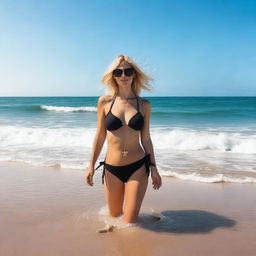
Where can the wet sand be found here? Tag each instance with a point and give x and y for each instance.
(51, 211)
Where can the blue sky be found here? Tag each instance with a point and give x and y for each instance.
(190, 48)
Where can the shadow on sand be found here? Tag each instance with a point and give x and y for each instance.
(185, 221)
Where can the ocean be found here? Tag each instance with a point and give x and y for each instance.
(204, 139)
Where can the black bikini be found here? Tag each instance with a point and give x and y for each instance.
(114, 123)
(124, 172)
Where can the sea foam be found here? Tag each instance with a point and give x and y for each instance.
(208, 156)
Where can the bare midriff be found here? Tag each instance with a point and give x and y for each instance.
(123, 139)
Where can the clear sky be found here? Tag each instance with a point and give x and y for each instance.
(190, 48)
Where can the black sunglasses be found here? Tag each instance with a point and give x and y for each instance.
(127, 72)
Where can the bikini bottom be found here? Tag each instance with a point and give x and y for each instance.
(124, 172)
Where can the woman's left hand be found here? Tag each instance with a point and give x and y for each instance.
(156, 178)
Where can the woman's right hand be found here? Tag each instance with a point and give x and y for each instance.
(89, 175)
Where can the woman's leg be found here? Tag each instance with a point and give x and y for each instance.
(135, 189)
(114, 193)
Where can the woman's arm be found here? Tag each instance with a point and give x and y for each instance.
(100, 133)
(148, 147)
(145, 135)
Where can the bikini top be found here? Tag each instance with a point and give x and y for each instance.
(113, 123)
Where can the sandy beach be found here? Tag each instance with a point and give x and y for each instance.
(51, 211)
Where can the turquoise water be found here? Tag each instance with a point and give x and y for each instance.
(208, 139)
(196, 112)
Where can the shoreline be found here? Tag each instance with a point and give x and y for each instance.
(51, 211)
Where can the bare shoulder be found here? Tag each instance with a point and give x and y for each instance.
(145, 104)
(104, 99)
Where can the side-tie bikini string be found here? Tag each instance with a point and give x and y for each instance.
(103, 173)
(148, 163)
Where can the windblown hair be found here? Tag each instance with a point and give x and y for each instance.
(140, 81)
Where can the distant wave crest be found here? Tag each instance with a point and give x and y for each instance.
(68, 109)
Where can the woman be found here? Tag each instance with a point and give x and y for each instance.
(123, 118)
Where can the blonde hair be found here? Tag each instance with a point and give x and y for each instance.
(140, 81)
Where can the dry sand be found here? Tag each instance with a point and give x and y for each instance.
(51, 211)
